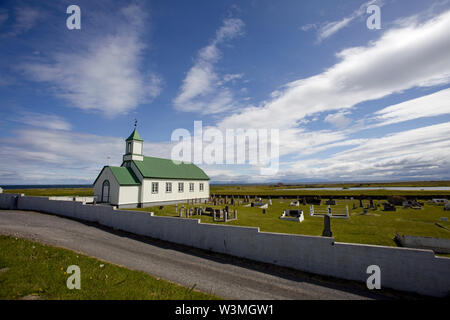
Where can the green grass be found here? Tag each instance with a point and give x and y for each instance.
(34, 269)
(82, 192)
(268, 190)
(377, 227)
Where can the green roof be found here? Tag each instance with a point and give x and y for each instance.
(152, 167)
(134, 136)
(125, 176)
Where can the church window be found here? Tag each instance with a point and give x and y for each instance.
(154, 187)
(191, 187)
(180, 186)
(168, 186)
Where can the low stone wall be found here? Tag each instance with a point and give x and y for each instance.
(438, 245)
(412, 270)
(74, 198)
(9, 200)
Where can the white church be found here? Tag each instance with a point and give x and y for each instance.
(147, 181)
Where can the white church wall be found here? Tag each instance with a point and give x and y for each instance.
(413, 270)
(113, 187)
(175, 195)
(129, 195)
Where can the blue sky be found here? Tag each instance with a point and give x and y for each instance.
(350, 103)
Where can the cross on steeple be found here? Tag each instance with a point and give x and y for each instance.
(135, 122)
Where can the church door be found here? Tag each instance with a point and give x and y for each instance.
(105, 191)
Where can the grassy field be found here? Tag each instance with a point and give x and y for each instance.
(273, 190)
(35, 271)
(376, 227)
(269, 190)
(82, 192)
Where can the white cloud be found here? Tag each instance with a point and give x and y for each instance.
(48, 121)
(434, 104)
(339, 119)
(41, 156)
(203, 89)
(105, 75)
(417, 153)
(370, 72)
(232, 77)
(330, 28)
(379, 69)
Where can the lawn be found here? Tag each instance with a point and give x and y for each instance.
(33, 270)
(82, 192)
(376, 227)
(275, 191)
(271, 190)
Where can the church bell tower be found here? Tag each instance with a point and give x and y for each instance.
(133, 149)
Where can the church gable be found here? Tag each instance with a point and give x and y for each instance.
(123, 176)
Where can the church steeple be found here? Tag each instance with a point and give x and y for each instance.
(134, 144)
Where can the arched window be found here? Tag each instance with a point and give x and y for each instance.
(105, 191)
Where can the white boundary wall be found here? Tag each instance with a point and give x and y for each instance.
(412, 270)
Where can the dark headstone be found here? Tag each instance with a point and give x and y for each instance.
(327, 226)
(293, 213)
(389, 207)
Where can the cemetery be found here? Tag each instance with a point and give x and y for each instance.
(353, 220)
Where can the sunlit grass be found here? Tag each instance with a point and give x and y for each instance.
(30, 269)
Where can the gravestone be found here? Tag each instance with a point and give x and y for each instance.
(304, 201)
(327, 226)
(360, 203)
(293, 213)
(264, 211)
(209, 211)
(354, 206)
(389, 207)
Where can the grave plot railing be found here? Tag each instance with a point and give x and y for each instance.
(339, 213)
